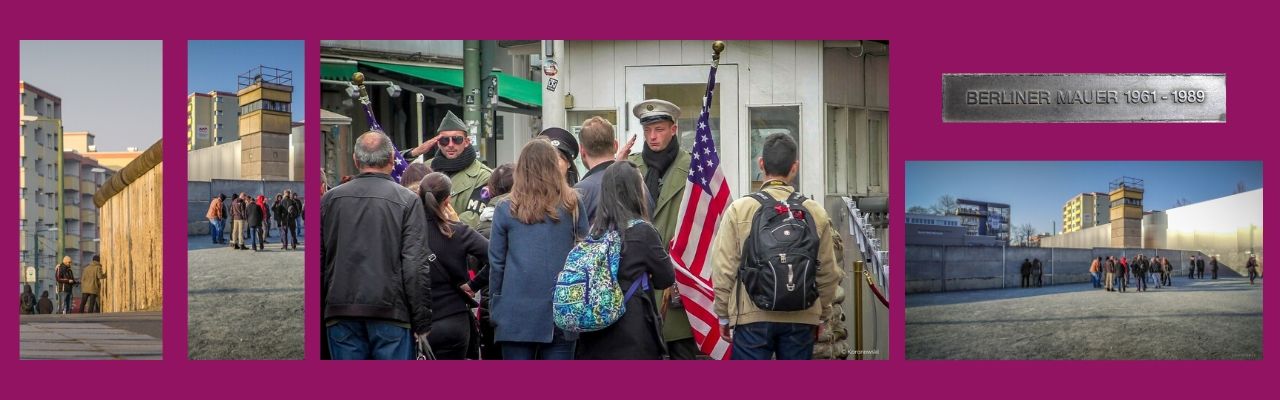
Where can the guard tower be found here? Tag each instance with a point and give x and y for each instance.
(1126, 212)
(265, 94)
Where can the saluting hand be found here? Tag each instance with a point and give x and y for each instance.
(425, 147)
(625, 150)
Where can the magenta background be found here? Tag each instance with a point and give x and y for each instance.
(926, 41)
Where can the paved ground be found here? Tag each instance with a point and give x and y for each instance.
(113, 336)
(244, 305)
(1195, 319)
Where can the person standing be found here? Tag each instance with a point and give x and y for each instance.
(66, 279)
(1110, 268)
(1168, 271)
(783, 324)
(568, 146)
(1200, 268)
(214, 215)
(1213, 265)
(375, 280)
(1037, 272)
(598, 149)
(1191, 268)
(27, 300)
(239, 213)
(456, 157)
(1252, 266)
(665, 167)
(291, 209)
(253, 221)
(1094, 269)
(644, 265)
(92, 278)
(1140, 273)
(1025, 271)
(453, 333)
(532, 233)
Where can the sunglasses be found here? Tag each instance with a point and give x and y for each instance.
(444, 140)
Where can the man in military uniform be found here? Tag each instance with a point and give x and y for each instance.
(456, 157)
(665, 167)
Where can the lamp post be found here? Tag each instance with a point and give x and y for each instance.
(36, 250)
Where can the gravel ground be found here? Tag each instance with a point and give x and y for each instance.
(1194, 320)
(244, 305)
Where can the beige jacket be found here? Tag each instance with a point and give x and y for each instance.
(726, 254)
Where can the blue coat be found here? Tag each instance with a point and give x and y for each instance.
(524, 260)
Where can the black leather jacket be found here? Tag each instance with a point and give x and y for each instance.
(374, 253)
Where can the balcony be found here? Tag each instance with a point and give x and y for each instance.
(88, 216)
(88, 187)
(72, 242)
(71, 211)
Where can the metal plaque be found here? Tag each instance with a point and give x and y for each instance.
(1084, 98)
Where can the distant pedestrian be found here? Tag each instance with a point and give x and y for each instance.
(1213, 264)
(44, 306)
(1025, 271)
(1095, 269)
(214, 215)
(92, 278)
(1200, 268)
(27, 300)
(1037, 272)
(66, 284)
(1191, 268)
(253, 222)
(239, 213)
(1252, 266)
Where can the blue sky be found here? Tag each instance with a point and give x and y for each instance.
(215, 64)
(109, 88)
(1036, 191)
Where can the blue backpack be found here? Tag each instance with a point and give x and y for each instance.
(587, 296)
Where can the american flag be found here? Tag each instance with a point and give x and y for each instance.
(706, 194)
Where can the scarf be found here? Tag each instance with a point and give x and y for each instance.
(440, 163)
(262, 207)
(658, 163)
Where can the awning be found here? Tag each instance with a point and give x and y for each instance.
(510, 87)
(337, 71)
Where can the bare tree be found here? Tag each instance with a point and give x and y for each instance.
(946, 205)
(1240, 188)
(1022, 234)
(1181, 202)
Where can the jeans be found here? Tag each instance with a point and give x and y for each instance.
(65, 307)
(255, 236)
(215, 230)
(1097, 282)
(767, 340)
(558, 349)
(369, 340)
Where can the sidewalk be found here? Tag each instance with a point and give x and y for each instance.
(111, 336)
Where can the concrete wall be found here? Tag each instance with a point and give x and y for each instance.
(200, 193)
(950, 268)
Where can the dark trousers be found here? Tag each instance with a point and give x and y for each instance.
(89, 303)
(290, 231)
(1026, 280)
(451, 336)
(770, 340)
(1191, 273)
(1142, 281)
(1215, 273)
(369, 340)
(683, 349)
(1199, 273)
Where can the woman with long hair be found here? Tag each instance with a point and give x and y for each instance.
(452, 324)
(644, 266)
(532, 234)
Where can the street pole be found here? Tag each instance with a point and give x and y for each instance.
(553, 73)
(488, 101)
(471, 92)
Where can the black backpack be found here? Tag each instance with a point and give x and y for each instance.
(780, 257)
(290, 208)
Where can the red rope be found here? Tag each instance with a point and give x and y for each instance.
(877, 293)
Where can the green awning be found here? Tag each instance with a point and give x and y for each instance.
(510, 87)
(337, 71)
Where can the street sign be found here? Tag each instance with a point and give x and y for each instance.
(31, 275)
(1084, 98)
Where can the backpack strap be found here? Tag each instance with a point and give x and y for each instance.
(642, 283)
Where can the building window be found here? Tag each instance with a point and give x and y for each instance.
(765, 121)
